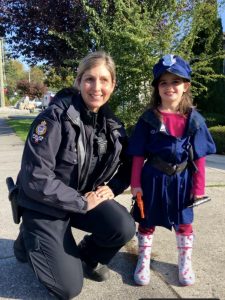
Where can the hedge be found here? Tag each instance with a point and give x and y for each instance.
(218, 134)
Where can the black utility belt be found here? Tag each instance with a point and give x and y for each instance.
(165, 167)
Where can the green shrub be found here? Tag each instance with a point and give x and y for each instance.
(218, 134)
(213, 119)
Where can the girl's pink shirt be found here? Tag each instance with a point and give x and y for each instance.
(175, 123)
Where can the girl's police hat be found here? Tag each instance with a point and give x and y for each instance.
(173, 64)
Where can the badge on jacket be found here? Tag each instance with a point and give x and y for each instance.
(39, 132)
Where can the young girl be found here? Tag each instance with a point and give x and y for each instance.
(169, 145)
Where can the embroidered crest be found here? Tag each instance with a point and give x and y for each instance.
(39, 133)
(37, 138)
(41, 128)
(169, 60)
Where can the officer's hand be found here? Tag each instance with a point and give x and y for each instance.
(104, 192)
(93, 200)
(136, 190)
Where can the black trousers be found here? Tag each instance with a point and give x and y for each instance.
(53, 252)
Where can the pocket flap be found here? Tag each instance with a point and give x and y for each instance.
(68, 156)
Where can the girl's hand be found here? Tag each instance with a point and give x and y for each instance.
(196, 197)
(104, 192)
(199, 197)
(135, 190)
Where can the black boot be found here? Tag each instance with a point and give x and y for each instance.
(19, 248)
(92, 269)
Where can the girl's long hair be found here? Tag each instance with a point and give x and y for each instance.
(184, 107)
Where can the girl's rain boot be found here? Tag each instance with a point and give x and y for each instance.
(184, 245)
(142, 271)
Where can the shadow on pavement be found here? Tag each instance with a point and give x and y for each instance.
(166, 271)
(17, 279)
(117, 265)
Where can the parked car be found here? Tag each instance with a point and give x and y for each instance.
(38, 103)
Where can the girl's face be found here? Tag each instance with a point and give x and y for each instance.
(171, 88)
(96, 86)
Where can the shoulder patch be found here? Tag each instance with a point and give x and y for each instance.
(39, 132)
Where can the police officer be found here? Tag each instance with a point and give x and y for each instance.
(73, 166)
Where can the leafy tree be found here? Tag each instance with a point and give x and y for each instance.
(57, 79)
(16, 74)
(31, 89)
(38, 29)
(14, 71)
(207, 51)
(36, 74)
(135, 32)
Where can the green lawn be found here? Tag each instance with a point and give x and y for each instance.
(20, 126)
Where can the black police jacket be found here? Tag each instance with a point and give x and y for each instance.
(55, 154)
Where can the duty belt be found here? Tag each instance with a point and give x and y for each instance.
(165, 167)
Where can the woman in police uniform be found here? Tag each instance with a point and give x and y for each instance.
(73, 148)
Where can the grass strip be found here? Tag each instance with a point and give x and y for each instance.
(20, 126)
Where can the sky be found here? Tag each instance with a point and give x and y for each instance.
(222, 16)
(221, 12)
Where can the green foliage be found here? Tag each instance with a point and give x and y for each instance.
(36, 74)
(218, 134)
(60, 78)
(213, 119)
(17, 81)
(14, 71)
(135, 32)
(135, 36)
(207, 51)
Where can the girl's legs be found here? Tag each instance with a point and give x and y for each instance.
(142, 271)
(185, 237)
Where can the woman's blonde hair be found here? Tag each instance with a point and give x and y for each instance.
(92, 60)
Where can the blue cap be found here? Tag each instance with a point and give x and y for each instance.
(173, 64)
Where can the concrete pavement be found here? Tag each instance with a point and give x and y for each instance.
(17, 281)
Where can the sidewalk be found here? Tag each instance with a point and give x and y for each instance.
(17, 281)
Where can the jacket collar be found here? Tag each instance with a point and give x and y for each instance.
(77, 108)
(195, 121)
(70, 101)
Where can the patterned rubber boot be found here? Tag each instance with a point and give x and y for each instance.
(184, 245)
(142, 271)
